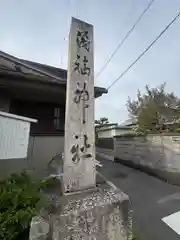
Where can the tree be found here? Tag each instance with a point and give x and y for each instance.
(154, 108)
(101, 122)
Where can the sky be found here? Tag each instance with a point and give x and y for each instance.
(38, 30)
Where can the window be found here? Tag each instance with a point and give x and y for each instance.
(50, 117)
(57, 118)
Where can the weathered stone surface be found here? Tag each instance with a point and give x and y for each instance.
(101, 215)
(79, 158)
(39, 229)
(104, 214)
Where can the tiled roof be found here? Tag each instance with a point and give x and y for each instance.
(59, 72)
(9, 63)
(130, 121)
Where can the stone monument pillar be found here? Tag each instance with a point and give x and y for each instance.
(101, 213)
(79, 153)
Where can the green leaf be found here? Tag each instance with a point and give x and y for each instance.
(20, 200)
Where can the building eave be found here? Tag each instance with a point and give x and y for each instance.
(114, 128)
(99, 91)
(40, 74)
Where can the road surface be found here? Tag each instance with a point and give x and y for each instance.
(152, 199)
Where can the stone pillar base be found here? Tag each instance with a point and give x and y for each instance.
(103, 214)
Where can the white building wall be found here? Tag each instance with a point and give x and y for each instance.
(119, 132)
(109, 133)
(105, 133)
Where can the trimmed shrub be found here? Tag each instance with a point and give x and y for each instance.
(20, 200)
(178, 130)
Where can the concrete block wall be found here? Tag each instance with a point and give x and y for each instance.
(105, 148)
(105, 153)
(155, 151)
(41, 150)
(106, 143)
(158, 153)
(9, 166)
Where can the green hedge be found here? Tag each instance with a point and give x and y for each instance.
(177, 130)
(20, 200)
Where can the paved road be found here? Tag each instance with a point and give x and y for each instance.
(152, 200)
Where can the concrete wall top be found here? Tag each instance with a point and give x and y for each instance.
(164, 134)
(130, 137)
(9, 115)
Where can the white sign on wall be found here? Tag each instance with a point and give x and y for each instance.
(14, 135)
